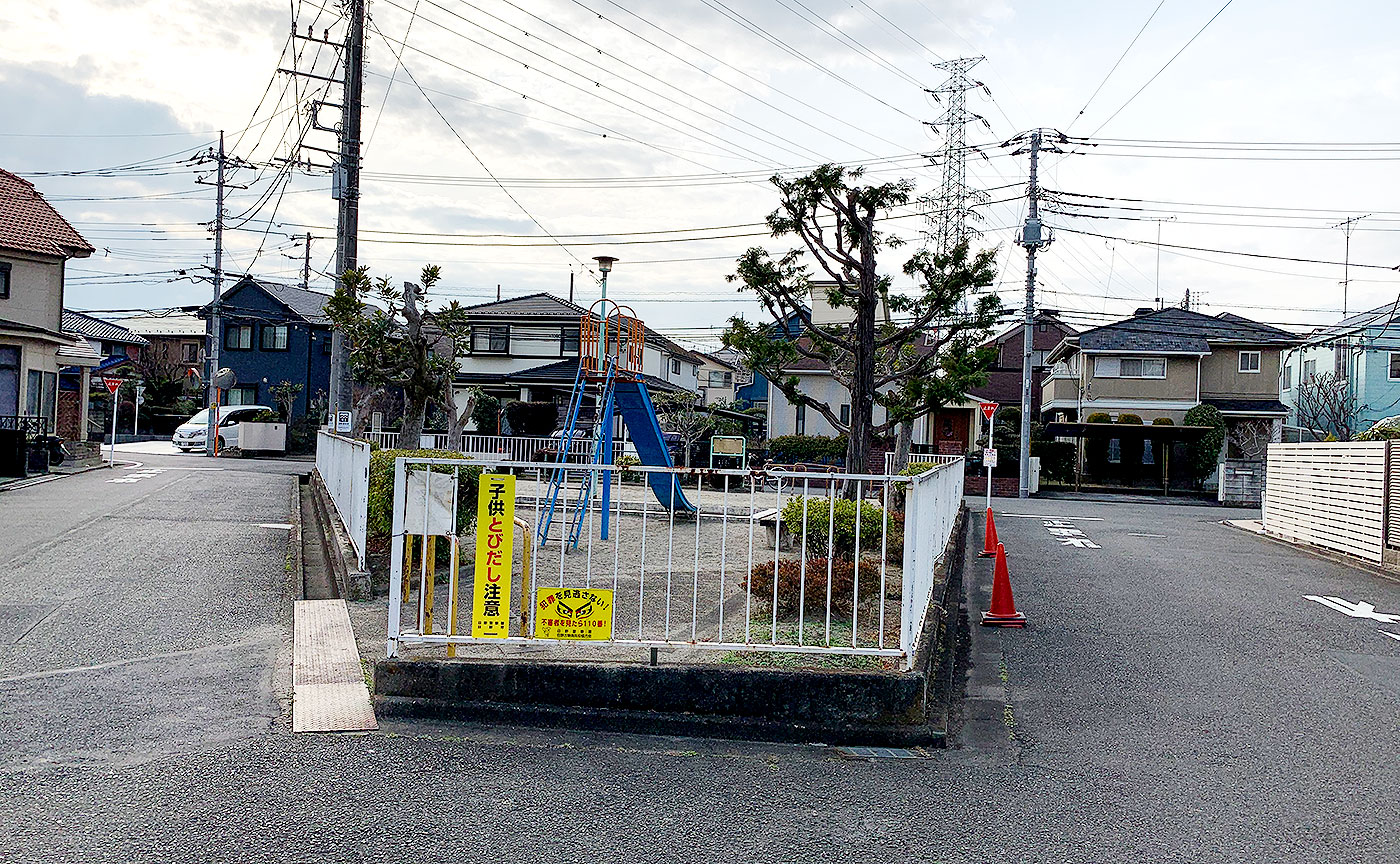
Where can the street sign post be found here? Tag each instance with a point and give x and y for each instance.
(113, 385)
(136, 418)
(344, 424)
(989, 410)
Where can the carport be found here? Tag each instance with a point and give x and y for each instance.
(1127, 434)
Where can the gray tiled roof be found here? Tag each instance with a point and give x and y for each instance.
(1180, 330)
(545, 305)
(95, 328)
(308, 305)
(1248, 406)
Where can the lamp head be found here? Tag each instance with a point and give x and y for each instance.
(605, 262)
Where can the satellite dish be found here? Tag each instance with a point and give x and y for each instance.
(224, 379)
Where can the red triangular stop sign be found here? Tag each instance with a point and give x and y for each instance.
(988, 409)
(113, 384)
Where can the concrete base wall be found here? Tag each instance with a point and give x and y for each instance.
(878, 708)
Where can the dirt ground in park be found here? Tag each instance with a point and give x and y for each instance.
(704, 599)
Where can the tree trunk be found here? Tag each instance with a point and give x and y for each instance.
(457, 418)
(903, 443)
(411, 434)
(863, 377)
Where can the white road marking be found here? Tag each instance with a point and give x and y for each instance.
(1395, 636)
(1068, 535)
(1354, 610)
(282, 525)
(1039, 516)
(138, 476)
(1158, 536)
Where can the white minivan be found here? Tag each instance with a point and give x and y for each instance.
(192, 433)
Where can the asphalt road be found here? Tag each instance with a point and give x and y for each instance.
(1175, 699)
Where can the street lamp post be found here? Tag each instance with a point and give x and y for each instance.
(605, 264)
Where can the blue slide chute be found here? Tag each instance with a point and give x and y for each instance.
(639, 414)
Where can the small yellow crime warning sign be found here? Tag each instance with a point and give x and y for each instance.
(573, 613)
(495, 539)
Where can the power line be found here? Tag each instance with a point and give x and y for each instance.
(1227, 251)
(1119, 62)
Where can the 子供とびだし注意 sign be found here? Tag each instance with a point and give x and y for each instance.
(573, 613)
(495, 543)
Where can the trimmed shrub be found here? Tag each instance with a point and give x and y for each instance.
(1163, 421)
(790, 449)
(380, 521)
(1202, 454)
(485, 413)
(626, 461)
(791, 591)
(1129, 419)
(1098, 417)
(843, 523)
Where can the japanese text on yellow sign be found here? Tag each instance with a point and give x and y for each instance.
(495, 538)
(573, 613)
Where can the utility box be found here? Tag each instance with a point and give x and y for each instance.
(271, 437)
(1241, 482)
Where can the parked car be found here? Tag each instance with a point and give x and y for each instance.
(192, 433)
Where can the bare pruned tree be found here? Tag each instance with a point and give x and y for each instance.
(1251, 438)
(1326, 405)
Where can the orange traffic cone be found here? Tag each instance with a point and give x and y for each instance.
(989, 545)
(1003, 612)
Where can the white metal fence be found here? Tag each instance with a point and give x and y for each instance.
(741, 561)
(892, 466)
(343, 464)
(511, 448)
(1332, 495)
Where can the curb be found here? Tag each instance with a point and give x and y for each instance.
(26, 482)
(354, 583)
(1317, 551)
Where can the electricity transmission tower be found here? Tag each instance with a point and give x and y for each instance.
(951, 209)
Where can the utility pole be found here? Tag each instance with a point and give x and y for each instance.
(348, 186)
(211, 429)
(955, 200)
(306, 264)
(1034, 236)
(1347, 225)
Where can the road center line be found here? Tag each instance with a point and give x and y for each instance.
(1158, 536)
(1046, 516)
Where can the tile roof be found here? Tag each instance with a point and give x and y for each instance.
(308, 305)
(1181, 330)
(561, 373)
(28, 223)
(95, 328)
(1248, 406)
(546, 305)
(174, 324)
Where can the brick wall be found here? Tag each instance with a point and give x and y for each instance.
(1002, 487)
(70, 416)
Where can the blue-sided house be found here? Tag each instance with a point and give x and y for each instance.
(274, 333)
(1359, 355)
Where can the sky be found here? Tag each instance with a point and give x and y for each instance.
(510, 142)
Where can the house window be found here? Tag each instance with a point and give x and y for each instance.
(4, 280)
(238, 337)
(274, 337)
(846, 414)
(1288, 375)
(326, 344)
(191, 352)
(39, 400)
(1339, 361)
(675, 366)
(1249, 361)
(800, 418)
(568, 341)
(491, 339)
(721, 379)
(1130, 367)
(241, 396)
(1309, 371)
(113, 349)
(1395, 365)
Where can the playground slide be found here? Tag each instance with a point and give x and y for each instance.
(640, 416)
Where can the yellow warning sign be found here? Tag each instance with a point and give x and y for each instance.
(573, 613)
(495, 539)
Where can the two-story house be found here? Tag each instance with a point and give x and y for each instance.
(1160, 363)
(177, 341)
(527, 348)
(1004, 377)
(273, 333)
(1359, 357)
(719, 379)
(35, 246)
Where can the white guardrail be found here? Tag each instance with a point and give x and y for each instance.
(697, 574)
(343, 464)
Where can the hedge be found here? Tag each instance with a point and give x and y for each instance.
(790, 449)
(532, 418)
(1203, 453)
(380, 521)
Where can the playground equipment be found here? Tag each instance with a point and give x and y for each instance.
(611, 344)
